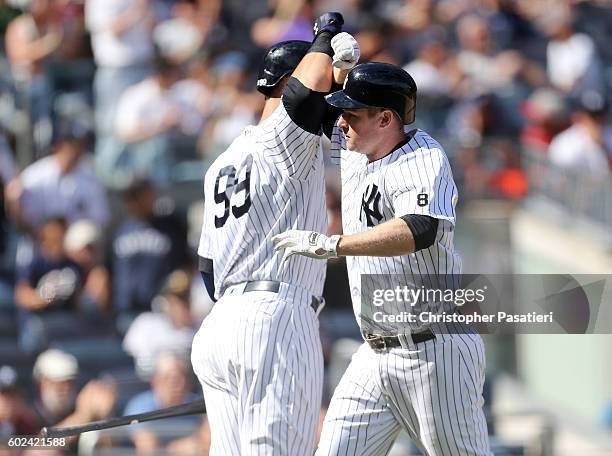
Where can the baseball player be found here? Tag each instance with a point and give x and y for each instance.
(398, 212)
(258, 354)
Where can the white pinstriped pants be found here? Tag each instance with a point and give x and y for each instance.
(259, 360)
(433, 391)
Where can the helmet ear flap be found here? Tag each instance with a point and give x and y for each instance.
(265, 90)
(410, 110)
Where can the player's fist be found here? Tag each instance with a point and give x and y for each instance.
(346, 51)
(328, 22)
(307, 243)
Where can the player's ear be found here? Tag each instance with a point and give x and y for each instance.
(385, 118)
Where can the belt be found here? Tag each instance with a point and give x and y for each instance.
(387, 342)
(272, 286)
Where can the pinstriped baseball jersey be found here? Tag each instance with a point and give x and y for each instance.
(431, 389)
(414, 179)
(269, 180)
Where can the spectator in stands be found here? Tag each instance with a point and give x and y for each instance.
(31, 39)
(172, 324)
(123, 49)
(436, 79)
(546, 116)
(46, 287)
(373, 38)
(484, 68)
(75, 43)
(196, 99)
(60, 185)
(430, 68)
(82, 245)
(237, 108)
(410, 17)
(181, 35)
(148, 120)
(572, 61)
(15, 417)
(146, 247)
(587, 143)
(170, 386)
(58, 403)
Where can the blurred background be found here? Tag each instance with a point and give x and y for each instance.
(111, 111)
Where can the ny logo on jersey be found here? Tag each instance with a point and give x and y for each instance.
(370, 202)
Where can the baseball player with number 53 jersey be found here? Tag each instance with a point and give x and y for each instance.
(258, 353)
(398, 215)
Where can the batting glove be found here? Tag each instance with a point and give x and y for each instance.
(346, 51)
(328, 22)
(306, 243)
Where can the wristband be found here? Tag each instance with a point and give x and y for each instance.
(331, 244)
(322, 43)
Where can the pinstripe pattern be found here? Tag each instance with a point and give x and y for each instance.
(258, 355)
(419, 167)
(433, 390)
(259, 360)
(287, 191)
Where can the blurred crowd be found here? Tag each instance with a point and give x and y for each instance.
(106, 106)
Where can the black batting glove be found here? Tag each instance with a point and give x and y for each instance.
(328, 22)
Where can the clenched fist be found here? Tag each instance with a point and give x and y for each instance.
(346, 51)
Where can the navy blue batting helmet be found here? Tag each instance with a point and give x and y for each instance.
(280, 60)
(378, 85)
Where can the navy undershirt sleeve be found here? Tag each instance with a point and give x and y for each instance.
(305, 107)
(424, 229)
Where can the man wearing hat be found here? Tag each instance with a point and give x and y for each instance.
(55, 372)
(59, 403)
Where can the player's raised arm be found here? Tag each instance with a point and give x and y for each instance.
(290, 132)
(313, 77)
(329, 46)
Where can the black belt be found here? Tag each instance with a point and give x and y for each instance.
(386, 342)
(273, 286)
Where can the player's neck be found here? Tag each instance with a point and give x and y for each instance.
(270, 106)
(387, 144)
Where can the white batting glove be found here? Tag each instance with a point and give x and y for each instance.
(346, 51)
(307, 243)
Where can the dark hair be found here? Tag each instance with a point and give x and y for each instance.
(68, 130)
(136, 187)
(56, 220)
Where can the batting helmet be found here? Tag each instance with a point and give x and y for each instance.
(378, 85)
(280, 60)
